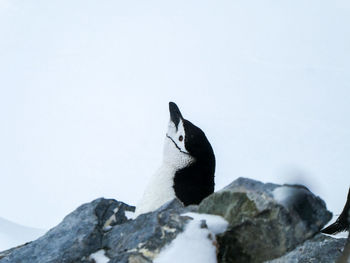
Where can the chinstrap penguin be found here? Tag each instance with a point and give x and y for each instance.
(343, 221)
(188, 167)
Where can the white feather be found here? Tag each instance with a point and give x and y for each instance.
(175, 156)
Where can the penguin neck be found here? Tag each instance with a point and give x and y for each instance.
(159, 190)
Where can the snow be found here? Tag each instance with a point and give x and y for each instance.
(196, 244)
(99, 256)
(344, 234)
(12, 234)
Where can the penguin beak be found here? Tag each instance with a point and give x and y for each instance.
(175, 114)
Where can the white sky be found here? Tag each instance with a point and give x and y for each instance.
(85, 85)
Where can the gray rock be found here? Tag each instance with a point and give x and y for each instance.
(345, 257)
(130, 258)
(319, 249)
(9, 251)
(76, 237)
(143, 238)
(265, 220)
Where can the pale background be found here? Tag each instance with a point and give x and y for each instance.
(85, 85)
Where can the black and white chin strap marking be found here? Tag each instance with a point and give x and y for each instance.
(177, 146)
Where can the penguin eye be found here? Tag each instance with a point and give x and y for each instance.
(181, 138)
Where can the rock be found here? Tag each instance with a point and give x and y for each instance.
(143, 238)
(319, 249)
(265, 220)
(130, 258)
(76, 237)
(345, 257)
(9, 251)
(102, 224)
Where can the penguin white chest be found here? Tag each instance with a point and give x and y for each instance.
(161, 186)
(159, 190)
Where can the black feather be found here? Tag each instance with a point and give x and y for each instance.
(342, 223)
(195, 182)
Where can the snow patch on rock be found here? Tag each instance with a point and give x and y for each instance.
(99, 256)
(197, 243)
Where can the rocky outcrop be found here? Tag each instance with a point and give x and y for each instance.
(79, 235)
(345, 257)
(145, 236)
(320, 249)
(102, 224)
(265, 222)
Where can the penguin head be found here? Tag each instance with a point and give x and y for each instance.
(185, 143)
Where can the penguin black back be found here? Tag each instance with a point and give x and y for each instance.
(196, 181)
